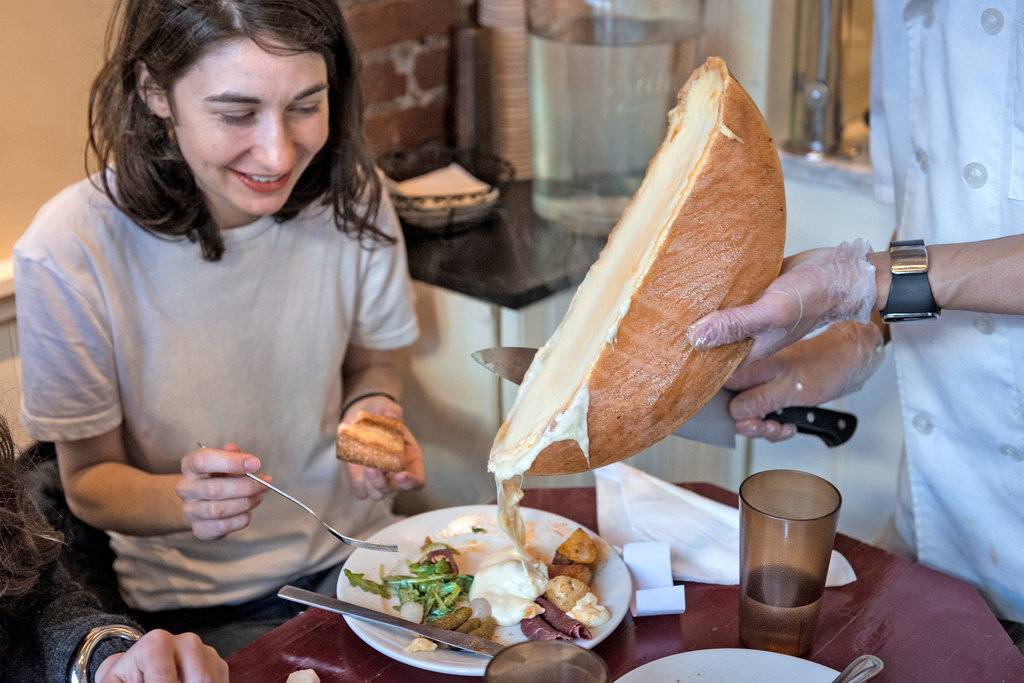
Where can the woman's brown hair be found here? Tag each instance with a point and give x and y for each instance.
(27, 545)
(140, 167)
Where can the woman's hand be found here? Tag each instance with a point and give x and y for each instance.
(217, 496)
(815, 288)
(160, 656)
(371, 483)
(832, 364)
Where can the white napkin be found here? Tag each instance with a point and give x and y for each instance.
(452, 179)
(704, 535)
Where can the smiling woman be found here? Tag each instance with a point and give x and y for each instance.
(182, 80)
(237, 125)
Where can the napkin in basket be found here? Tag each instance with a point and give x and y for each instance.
(703, 535)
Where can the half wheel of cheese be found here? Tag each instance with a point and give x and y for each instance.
(704, 231)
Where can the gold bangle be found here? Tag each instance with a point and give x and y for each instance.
(79, 665)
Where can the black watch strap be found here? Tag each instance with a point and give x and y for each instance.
(910, 294)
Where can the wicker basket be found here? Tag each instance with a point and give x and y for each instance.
(443, 214)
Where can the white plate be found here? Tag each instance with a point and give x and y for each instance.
(729, 665)
(544, 532)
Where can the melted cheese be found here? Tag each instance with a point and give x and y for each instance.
(510, 584)
(588, 612)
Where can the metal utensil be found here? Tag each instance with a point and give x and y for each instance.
(331, 530)
(860, 669)
(712, 424)
(463, 641)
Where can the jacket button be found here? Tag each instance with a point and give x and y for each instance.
(1012, 453)
(992, 21)
(975, 175)
(984, 323)
(923, 423)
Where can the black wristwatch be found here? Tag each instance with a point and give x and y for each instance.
(910, 294)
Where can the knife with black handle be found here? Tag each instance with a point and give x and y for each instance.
(712, 424)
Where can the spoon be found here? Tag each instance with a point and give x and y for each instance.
(860, 669)
(355, 542)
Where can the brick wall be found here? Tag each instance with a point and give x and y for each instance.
(406, 51)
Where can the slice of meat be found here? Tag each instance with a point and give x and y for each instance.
(562, 621)
(535, 628)
(444, 554)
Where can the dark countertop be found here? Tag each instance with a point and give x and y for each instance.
(512, 259)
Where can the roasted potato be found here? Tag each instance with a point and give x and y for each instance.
(580, 572)
(565, 591)
(578, 548)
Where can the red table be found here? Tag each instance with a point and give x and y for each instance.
(924, 625)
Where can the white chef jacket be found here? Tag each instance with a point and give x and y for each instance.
(947, 144)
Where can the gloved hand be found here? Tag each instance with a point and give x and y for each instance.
(829, 365)
(816, 288)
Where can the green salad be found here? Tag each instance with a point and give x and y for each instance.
(434, 584)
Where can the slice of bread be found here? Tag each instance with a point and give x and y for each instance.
(374, 441)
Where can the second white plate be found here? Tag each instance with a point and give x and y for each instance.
(728, 665)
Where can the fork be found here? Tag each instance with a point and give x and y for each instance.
(331, 530)
(355, 542)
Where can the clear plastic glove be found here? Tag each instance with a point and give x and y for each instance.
(816, 288)
(367, 482)
(834, 363)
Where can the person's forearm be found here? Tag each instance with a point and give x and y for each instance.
(986, 276)
(117, 497)
(370, 371)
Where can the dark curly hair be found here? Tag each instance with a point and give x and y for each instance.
(132, 149)
(27, 545)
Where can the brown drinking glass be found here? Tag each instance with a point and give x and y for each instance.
(787, 528)
(550, 661)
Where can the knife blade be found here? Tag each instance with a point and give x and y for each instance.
(462, 641)
(712, 424)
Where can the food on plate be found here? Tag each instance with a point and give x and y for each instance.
(502, 592)
(564, 591)
(375, 441)
(555, 616)
(536, 628)
(580, 572)
(485, 629)
(421, 645)
(588, 611)
(704, 231)
(509, 585)
(433, 583)
(578, 548)
(470, 624)
(452, 620)
(303, 676)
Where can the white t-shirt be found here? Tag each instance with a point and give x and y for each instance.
(120, 327)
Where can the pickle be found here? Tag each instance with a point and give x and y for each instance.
(469, 625)
(486, 629)
(452, 620)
